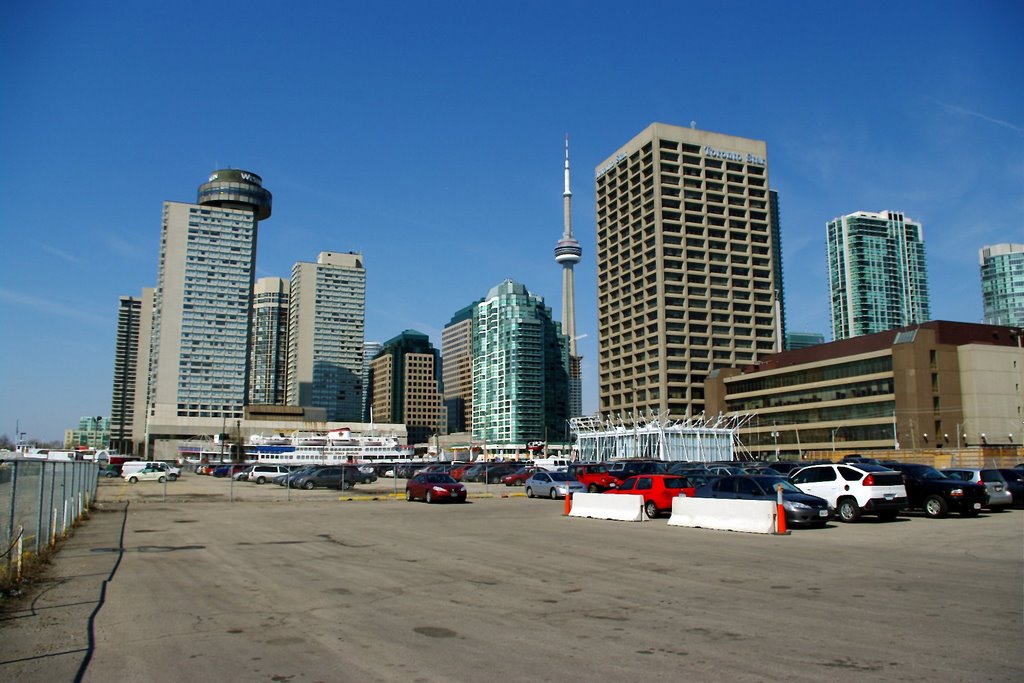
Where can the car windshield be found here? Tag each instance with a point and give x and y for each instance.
(769, 484)
(439, 478)
(560, 476)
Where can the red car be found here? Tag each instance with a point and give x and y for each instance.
(457, 470)
(434, 487)
(519, 477)
(658, 490)
(594, 476)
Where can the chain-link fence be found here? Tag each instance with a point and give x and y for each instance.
(39, 502)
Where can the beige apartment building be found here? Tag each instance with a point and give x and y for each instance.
(685, 267)
(457, 370)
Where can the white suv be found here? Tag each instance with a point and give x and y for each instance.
(853, 489)
(261, 474)
(171, 472)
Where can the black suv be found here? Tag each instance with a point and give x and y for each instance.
(938, 495)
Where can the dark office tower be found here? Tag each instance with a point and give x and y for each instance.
(269, 346)
(203, 304)
(405, 385)
(685, 267)
(126, 352)
(780, 292)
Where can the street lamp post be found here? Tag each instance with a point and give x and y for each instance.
(834, 441)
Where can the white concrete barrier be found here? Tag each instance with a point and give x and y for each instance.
(626, 508)
(755, 516)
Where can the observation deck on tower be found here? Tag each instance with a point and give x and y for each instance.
(236, 189)
(568, 250)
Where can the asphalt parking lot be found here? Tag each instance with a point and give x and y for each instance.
(321, 589)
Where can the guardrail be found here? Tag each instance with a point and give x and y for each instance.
(39, 502)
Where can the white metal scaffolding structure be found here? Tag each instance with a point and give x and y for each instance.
(657, 437)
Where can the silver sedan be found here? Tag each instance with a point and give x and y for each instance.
(999, 496)
(553, 485)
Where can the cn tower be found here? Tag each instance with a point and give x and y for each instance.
(567, 254)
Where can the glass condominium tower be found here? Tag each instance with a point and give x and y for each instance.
(686, 274)
(1002, 283)
(876, 273)
(200, 337)
(520, 368)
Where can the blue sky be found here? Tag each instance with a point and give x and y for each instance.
(429, 136)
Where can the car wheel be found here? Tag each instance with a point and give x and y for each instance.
(651, 509)
(132, 480)
(553, 493)
(261, 480)
(529, 492)
(888, 515)
(430, 497)
(161, 479)
(593, 488)
(847, 510)
(935, 507)
(408, 494)
(172, 477)
(309, 486)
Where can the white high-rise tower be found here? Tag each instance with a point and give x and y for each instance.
(568, 253)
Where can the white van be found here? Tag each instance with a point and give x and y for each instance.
(552, 464)
(264, 473)
(137, 466)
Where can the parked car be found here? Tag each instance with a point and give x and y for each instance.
(999, 496)
(658, 491)
(327, 476)
(228, 470)
(785, 468)
(553, 485)
(624, 469)
(457, 471)
(801, 509)
(434, 487)
(938, 495)
(148, 473)
(725, 470)
(490, 473)
(854, 489)
(110, 471)
(242, 474)
(436, 468)
(860, 459)
(1014, 483)
(170, 471)
(519, 477)
(261, 474)
(594, 475)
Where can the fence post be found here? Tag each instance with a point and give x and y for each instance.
(20, 553)
(14, 498)
(52, 509)
(39, 522)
